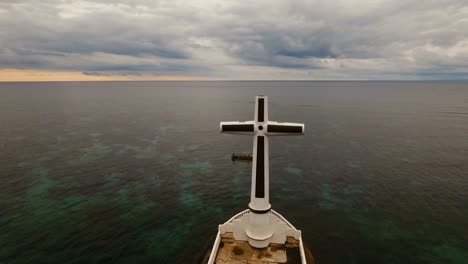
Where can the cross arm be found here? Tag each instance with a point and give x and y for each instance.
(236, 127)
(284, 129)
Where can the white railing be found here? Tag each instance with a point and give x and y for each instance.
(214, 250)
(282, 219)
(301, 250)
(239, 215)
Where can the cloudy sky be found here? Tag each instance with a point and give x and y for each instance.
(258, 39)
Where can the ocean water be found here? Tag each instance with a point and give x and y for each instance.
(136, 172)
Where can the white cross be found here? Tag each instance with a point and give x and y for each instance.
(261, 128)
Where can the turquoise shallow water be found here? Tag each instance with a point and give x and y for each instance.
(136, 172)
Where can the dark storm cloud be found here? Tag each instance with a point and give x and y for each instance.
(317, 52)
(232, 39)
(144, 68)
(38, 35)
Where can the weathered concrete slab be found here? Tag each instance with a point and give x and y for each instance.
(240, 252)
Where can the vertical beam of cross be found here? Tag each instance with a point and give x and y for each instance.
(261, 128)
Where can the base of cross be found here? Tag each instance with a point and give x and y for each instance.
(259, 230)
(242, 239)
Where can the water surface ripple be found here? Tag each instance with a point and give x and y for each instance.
(136, 172)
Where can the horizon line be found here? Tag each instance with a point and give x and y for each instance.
(246, 80)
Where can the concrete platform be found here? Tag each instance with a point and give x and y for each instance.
(240, 252)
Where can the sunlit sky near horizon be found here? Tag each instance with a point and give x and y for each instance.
(233, 40)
